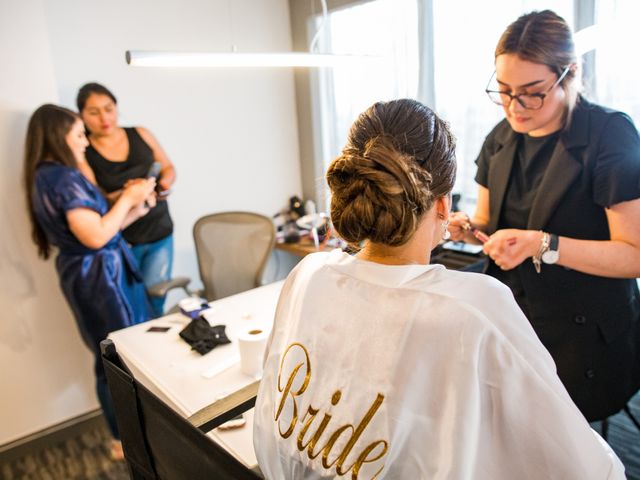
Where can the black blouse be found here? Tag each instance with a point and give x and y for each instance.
(112, 175)
(590, 324)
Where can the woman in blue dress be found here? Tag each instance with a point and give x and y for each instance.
(98, 274)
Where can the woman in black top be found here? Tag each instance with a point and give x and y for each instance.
(559, 192)
(118, 155)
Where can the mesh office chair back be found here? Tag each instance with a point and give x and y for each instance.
(158, 443)
(233, 249)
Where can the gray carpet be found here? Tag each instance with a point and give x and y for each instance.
(86, 456)
(83, 457)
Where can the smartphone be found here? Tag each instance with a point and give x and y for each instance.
(154, 170)
(462, 247)
(158, 329)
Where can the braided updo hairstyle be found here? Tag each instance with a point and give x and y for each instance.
(399, 158)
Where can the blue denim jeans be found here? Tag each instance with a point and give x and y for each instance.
(155, 260)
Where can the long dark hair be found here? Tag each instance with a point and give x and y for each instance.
(46, 132)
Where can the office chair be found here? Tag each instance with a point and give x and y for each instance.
(161, 289)
(232, 249)
(160, 444)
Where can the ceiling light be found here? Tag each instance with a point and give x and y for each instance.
(143, 58)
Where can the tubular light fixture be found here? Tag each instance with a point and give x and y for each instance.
(146, 58)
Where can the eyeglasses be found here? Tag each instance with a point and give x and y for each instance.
(530, 101)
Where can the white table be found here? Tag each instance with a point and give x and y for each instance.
(188, 381)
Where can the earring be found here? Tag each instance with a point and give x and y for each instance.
(446, 234)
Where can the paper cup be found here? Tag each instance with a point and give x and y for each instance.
(252, 343)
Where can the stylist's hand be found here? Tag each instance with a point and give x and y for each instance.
(141, 209)
(163, 183)
(151, 200)
(139, 189)
(457, 222)
(509, 247)
(113, 197)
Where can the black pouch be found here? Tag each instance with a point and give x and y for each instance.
(203, 337)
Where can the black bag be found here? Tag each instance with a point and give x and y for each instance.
(203, 337)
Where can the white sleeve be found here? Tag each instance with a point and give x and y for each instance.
(531, 419)
(617, 469)
(528, 423)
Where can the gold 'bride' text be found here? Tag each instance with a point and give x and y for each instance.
(308, 436)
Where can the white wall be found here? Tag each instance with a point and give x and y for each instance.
(230, 133)
(45, 370)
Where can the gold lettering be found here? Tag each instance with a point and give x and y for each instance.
(307, 440)
(358, 431)
(323, 425)
(287, 392)
(311, 413)
(330, 444)
(363, 458)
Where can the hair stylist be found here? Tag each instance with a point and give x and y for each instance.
(559, 194)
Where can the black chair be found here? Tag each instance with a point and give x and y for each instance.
(160, 444)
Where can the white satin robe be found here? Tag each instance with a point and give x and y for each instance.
(413, 372)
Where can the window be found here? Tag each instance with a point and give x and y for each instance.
(460, 41)
(384, 28)
(465, 36)
(617, 69)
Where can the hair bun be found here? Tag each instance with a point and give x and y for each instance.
(379, 193)
(381, 183)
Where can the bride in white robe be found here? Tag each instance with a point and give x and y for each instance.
(383, 366)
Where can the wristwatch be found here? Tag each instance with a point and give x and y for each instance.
(552, 254)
